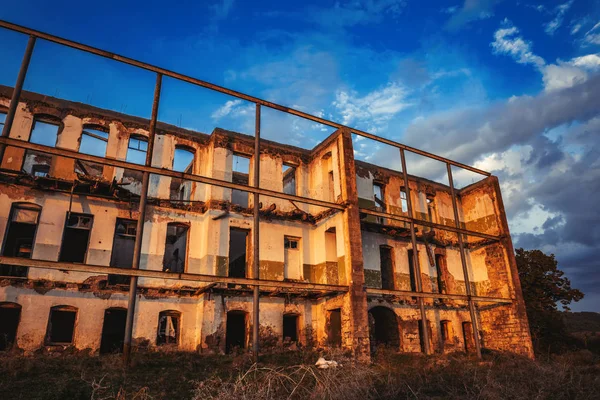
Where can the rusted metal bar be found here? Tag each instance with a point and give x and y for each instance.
(139, 233)
(16, 94)
(240, 95)
(428, 224)
(256, 237)
(101, 269)
(165, 172)
(415, 265)
(463, 260)
(431, 295)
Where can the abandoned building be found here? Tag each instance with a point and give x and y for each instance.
(350, 254)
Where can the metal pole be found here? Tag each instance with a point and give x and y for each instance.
(14, 101)
(415, 258)
(140, 226)
(463, 260)
(256, 247)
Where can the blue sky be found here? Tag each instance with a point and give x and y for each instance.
(510, 87)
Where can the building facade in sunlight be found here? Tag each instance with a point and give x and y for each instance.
(345, 276)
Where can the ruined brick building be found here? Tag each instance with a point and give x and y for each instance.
(65, 210)
(118, 231)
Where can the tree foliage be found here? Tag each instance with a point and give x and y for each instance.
(544, 288)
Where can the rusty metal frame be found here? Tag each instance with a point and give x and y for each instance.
(255, 189)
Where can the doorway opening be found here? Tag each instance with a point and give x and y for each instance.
(10, 315)
(113, 330)
(235, 335)
(383, 328)
(290, 328)
(334, 328)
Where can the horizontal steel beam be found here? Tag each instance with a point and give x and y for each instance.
(438, 295)
(164, 172)
(221, 89)
(144, 273)
(428, 224)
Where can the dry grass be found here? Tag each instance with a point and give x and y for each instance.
(292, 376)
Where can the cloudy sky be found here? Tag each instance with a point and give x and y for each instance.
(509, 87)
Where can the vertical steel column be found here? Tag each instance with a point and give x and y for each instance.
(14, 101)
(139, 233)
(256, 237)
(415, 264)
(463, 260)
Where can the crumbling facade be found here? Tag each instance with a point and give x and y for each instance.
(344, 276)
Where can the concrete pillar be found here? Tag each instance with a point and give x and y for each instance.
(355, 301)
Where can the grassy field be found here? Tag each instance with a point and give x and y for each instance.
(292, 375)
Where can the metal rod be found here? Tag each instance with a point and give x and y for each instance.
(14, 101)
(416, 267)
(428, 295)
(165, 172)
(256, 237)
(463, 260)
(139, 233)
(240, 95)
(100, 269)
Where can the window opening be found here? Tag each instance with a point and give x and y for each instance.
(386, 267)
(238, 245)
(168, 328)
(289, 179)
(61, 325)
(94, 142)
(122, 249)
(44, 132)
(446, 328)
(411, 270)
(20, 236)
(439, 259)
(174, 259)
(331, 187)
(241, 176)
(136, 149)
(292, 257)
(403, 201)
(468, 339)
(76, 237)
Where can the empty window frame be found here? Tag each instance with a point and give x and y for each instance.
(289, 179)
(76, 237)
(386, 256)
(439, 261)
(411, 270)
(240, 175)
(175, 256)
(290, 328)
(446, 328)
(61, 325)
(94, 141)
(10, 315)
(136, 149)
(122, 250)
(430, 208)
(2, 120)
(378, 198)
(238, 252)
(169, 325)
(44, 131)
(403, 201)
(20, 236)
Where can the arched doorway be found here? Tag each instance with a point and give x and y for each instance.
(383, 328)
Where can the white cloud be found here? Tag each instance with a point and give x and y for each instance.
(225, 109)
(593, 35)
(472, 10)
(567, 74)
(508, 42)
(375, 109)
(559, 12)
(575, 28)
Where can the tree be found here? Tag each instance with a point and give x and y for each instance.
(544, 287)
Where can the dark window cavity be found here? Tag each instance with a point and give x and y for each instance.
(235, 332)
(20, 236)
(387, 267)
(238, 244)
(411, 270)
(175, 247)
(168, 328)
(122, 250)
(61, 325)
(76, 237)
